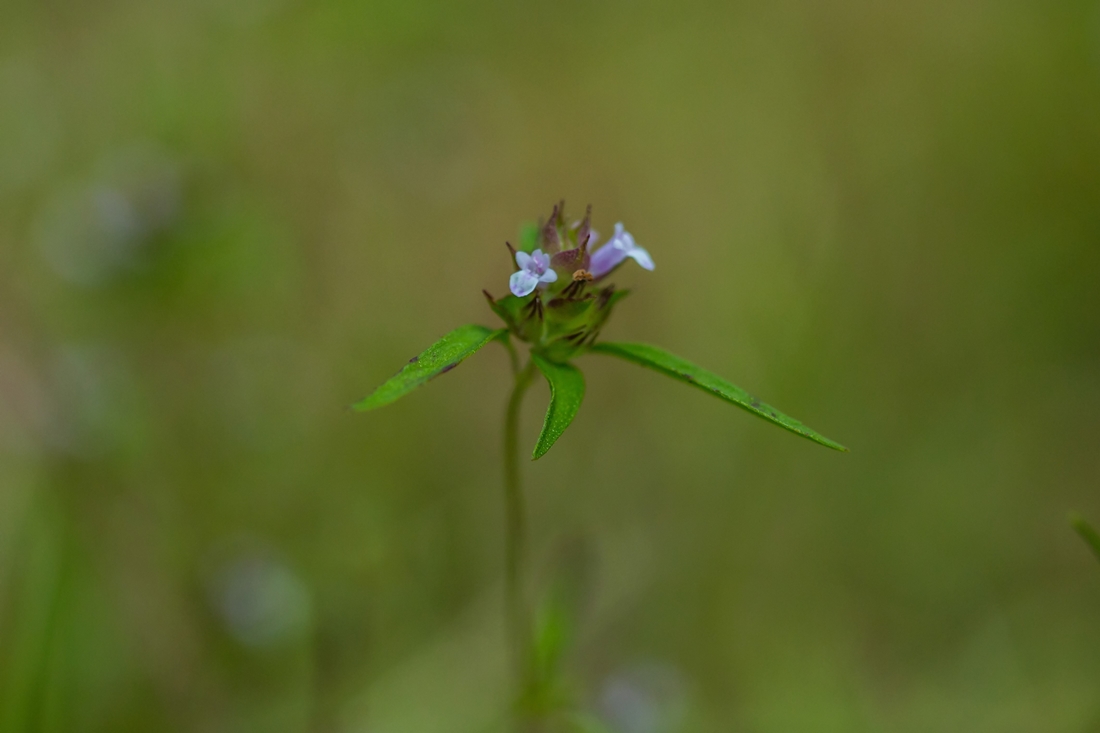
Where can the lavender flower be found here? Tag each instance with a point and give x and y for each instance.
(612, 254)
(533, 269)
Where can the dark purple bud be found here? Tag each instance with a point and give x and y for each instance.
(570, 260)
(585, 231)
(550, 240)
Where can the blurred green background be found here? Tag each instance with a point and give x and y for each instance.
(222, 222)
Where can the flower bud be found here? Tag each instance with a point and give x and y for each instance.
(550, 237)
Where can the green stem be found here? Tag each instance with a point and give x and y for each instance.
(519, 627)
(512, 355)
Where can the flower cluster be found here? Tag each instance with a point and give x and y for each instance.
(559, 300)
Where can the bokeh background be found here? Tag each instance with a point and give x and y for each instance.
(222, 222)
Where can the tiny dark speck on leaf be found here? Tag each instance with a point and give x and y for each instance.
(414, 359)
(448, 368)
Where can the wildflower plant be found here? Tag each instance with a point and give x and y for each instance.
(560, 298)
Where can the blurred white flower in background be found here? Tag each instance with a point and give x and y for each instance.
(648, 698)
(91, 232)
(261, 601)
(94, 390)
(80, 402)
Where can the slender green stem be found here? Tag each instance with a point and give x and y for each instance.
(519, 626)
(512, 354)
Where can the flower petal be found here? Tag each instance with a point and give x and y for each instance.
(541, 261)
(549, 276)
(522, 260)
(522, 283)
(641, 257)
(606, 259)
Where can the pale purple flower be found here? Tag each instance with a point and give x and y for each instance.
(533, 269)
(617, 249)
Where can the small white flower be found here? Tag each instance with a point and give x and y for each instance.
(533, 269)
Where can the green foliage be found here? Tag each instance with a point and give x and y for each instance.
(553, 633)
(561, 328)
(549, 688)
(573, 325)
(673, 366)
(528, 237)
(566, 393)
(1087, 533)
(440, 357)
(518, 313)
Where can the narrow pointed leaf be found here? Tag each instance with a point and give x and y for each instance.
(1088, 534)
(566, 393)
(442, 356)
(685, 371)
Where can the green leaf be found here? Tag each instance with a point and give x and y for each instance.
(685, 371)
(528, 237)
(442, 356)
(1088, 534)
(566, 392)
(554, 630)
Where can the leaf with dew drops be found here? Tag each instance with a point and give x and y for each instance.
(677, 368)
(442, 356)
(566, 393)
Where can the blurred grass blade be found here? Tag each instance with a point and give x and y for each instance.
(685, 371)
(1087, 533)
(566, 394)
(442, 356)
